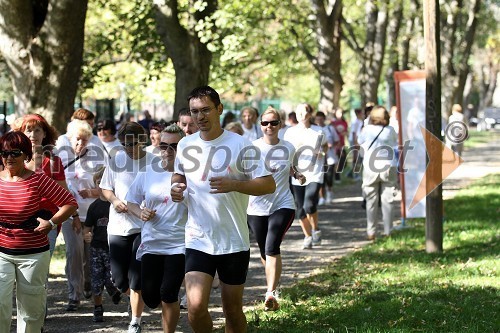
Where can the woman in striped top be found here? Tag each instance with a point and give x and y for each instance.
(24, 246)
(43, 138)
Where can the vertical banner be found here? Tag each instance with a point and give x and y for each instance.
(410, 100)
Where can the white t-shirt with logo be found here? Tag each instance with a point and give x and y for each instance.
(277, 158)
(217, 223)
(308, 142)
(164, 233)
(118, 177)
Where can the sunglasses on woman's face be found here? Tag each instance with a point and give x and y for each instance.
(129, 144)
(272, 122)
(13, 153)
(165, 146)
(102, 129)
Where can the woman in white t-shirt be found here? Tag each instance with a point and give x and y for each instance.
(162, 246)
(378, 140)
(271, 215)
(124, 229)
(79, 167)
(310, 145)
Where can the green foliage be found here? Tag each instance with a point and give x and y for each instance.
(256, 46)
(120, 37)
(394, 286)
(257, 52)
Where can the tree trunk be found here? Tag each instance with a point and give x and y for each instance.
(373, 52)
(433, 174)
(190, 57)
(392, 46)
(409, 33)
(330, 89)
(42, 44)
(327, 62)
(488, 83)
(457, 47)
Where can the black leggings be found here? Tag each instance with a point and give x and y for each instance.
(328, 172)
(125, 268)
(162, 277)
(306, 199)
(270, 230)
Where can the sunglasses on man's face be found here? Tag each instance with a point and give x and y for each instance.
(13, 153)
(129, 144)
(272, 122)
(165, 146)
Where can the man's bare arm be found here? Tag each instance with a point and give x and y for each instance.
(256, 186)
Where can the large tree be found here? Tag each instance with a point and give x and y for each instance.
(459, 21)
(326, 20)
(371, 50)
(42, 44)
(181, 31)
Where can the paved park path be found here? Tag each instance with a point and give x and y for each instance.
(343, 227)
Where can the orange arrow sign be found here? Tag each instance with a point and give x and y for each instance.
(434, 175)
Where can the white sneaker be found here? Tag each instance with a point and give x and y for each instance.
(329, 197)
(316, 237)
(271, 302)
(321, 202)
(134, 328)
(308, 242)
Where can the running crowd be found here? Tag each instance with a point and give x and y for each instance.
(141, 221)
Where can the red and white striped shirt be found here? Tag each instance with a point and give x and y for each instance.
(21, 200)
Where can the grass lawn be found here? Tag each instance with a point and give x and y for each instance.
(393, 285)
(477, 138)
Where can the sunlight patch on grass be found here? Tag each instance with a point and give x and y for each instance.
(393, 285)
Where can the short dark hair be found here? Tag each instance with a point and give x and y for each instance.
(16, 140)
(184, 112)
(320, 114)
(205, 91)
(107, 124)
(158, 125)
(130, 128)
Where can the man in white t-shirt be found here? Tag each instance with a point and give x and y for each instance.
(217, 170)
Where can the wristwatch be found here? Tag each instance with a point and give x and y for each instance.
(54, 226)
